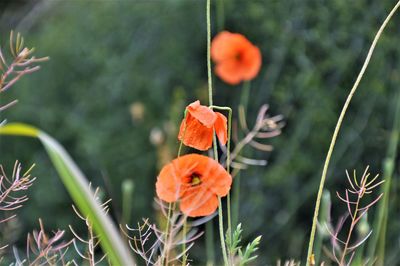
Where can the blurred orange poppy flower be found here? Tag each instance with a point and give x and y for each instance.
(236, 58)
(197, 128)
(197, 181)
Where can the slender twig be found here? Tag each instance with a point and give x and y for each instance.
(353, 223)
(337, 129)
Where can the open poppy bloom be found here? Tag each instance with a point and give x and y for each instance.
(197, 181)
(197, 128)
(236, 58)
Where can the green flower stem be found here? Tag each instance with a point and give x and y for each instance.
(183, 137)
(210, 244)
(127, 188)
(167, 232)
(210, 90)
(323, 221)
(228, 159)
(336, 132)
(221, 231)
(236, 199)
(184, 232)
(210, 102)
(171, 207)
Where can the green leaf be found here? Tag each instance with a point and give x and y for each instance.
(78, 188)
(246, 257)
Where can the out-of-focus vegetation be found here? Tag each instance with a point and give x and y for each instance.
(120, 69)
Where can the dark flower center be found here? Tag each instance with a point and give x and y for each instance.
(239, 56)
(195, 179)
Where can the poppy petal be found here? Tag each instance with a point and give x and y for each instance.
(215, 177)
(174, 183)
(226, 45)
(221, 182)
(251, 62)
(221, 48)
(194, 134)
(201, 203)
(229, 71)
(168, 184)
(202, 113)
(221, 128)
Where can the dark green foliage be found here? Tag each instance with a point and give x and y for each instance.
(106, 55)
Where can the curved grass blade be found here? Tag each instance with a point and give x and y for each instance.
(78, 188)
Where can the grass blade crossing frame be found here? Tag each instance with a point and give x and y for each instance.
(78, 188)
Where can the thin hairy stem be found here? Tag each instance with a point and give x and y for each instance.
(184, 134)
(184, 232)
(210, 90)
(171, 206)
(221, 231)
(167, 230)
(210, 102)
(228, 169)
(228, 160)
(336, 132)
(236, 199)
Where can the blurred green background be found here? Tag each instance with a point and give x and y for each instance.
(120, 70)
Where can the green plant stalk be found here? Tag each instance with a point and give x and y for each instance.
(358, 257)
(210, 244)
(210, 102)
(167, 232)
(236, 200)
(228, 164)
(127, 199)
(209, 77)
(378, 239)
(228, 159)
(325, 208)
(78, 188)
(221, 231)
(184, 232)
(382, 238)
(309, 258)
(171, 207)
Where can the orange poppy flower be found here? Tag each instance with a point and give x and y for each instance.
(197, 181)
(197, 128)
(236, 58)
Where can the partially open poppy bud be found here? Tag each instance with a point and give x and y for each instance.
(197, 128)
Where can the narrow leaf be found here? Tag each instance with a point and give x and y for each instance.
(78, 188)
